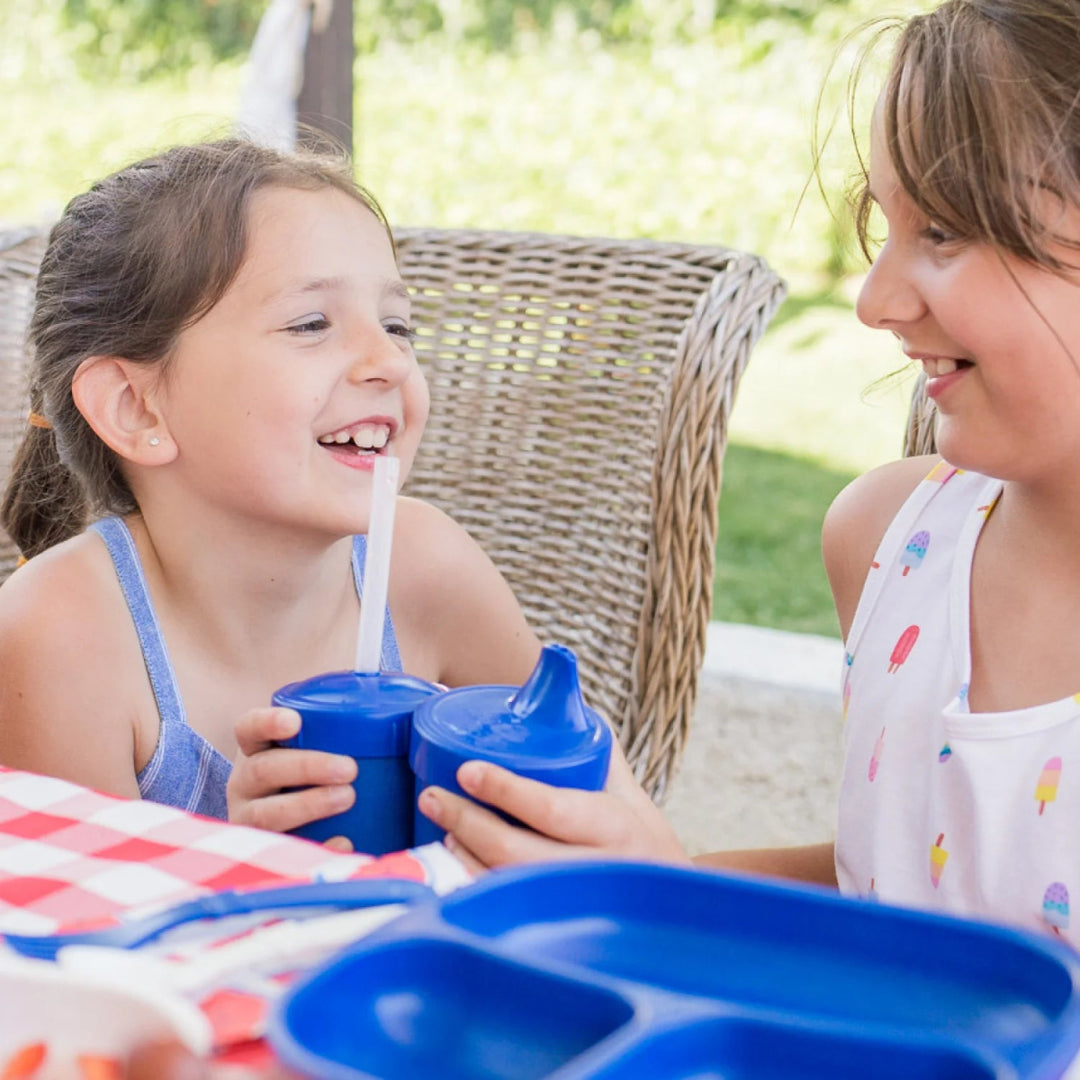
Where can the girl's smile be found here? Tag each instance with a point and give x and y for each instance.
(357, 445)
(941, 372)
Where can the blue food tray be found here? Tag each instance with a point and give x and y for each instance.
(624, 970)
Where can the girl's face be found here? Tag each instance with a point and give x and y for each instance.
(999, 339)
(279, 399)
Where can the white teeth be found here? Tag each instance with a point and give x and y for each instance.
(371, 436)
(940, 366)
(364, 437)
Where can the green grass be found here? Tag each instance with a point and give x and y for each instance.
(768, 558)
(706, 143)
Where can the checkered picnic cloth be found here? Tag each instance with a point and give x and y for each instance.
(75, 859)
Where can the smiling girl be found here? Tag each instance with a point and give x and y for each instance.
(221, 347)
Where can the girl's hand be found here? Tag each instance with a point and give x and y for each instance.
(263, 772)
(564, 823)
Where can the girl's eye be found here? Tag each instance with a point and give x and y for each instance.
(937, 235)
(396, 329)
(312, 324)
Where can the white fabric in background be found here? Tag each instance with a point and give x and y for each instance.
(275, 74)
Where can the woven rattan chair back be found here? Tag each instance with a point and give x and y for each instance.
(580, 397)
(919, 433)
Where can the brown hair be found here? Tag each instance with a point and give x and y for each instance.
(981, 111)
(143, 254)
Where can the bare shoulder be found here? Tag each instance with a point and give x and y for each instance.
(856, 522)
(62, 630)
(51, 594)
(452, 606)
(426, 535)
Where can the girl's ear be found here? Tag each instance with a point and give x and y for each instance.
(117, 400)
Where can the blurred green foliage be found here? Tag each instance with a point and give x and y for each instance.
(140, 37)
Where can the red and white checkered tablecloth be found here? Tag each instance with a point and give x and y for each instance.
(76, 859)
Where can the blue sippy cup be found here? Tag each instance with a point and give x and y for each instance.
(367, 716)
(542, 730)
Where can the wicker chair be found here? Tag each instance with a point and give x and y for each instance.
(919, 434)
(580, 398)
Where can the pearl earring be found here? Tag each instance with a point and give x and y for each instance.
(154, 440)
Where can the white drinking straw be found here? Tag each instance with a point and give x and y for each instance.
(384, 485)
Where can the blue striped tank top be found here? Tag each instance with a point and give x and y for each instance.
(186, 770)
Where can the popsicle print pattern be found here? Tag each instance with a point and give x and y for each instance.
(944, 753)
(875, 756)
(1055, 907)
(1049, 778)
(846, 696)
(915, 551)
(902, 649)
(938, 858)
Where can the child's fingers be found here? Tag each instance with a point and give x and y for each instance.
(340, 843)
(258, 729)
(482, 839)
(592, 818)
(289, 810)
(467, 859)
(269, 771)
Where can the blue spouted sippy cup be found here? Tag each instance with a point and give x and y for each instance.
(542, 730)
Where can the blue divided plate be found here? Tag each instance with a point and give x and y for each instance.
(620, 970)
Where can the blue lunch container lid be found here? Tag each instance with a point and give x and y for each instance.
(542, 730)
(371, 712)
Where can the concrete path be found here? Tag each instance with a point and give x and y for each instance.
(762, 764)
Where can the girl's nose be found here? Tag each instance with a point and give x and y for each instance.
(380, 356)
(889, 298)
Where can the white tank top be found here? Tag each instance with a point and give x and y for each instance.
(976, 814)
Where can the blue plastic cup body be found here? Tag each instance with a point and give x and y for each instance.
(542, 730)
(367, 717)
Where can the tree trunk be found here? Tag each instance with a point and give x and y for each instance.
(325, 102)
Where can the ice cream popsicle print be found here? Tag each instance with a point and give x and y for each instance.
(1049, 778)
(875, 756)
(902, 648)
(938, 857)
(915, 551)
(1056, 907)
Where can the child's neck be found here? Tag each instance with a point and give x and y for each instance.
(270, 600)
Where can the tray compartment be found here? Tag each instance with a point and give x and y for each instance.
(425, 1008)
(770, 947)
(727, 1049)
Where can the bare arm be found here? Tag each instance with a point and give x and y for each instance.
(857, 521)
(814, 863)
(452, 608)
(64, 708)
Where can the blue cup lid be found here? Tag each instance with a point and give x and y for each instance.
(542, 729)
(368, 714)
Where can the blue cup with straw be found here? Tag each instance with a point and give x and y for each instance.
(366, 713)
